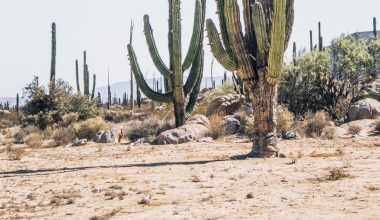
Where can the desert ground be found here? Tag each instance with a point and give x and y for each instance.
(318, 180)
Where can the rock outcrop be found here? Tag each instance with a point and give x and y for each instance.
(364, 109)
(195, 128)
(226, 105)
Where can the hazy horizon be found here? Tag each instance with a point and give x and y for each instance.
(102, 29)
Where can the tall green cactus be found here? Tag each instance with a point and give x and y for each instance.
(311, 41)
(53, 55)
(256, 56)
(77, 75)
(93, 86)
(17, 103)
(294, 53)
(374, 27)
(176, 91)
(320, 38)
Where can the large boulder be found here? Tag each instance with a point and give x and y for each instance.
(107, 137)
(195, 128)
(226, 105)
(364, 109)
(231, 124)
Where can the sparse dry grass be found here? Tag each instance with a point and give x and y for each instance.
(314, 124)
(63, 136)
(329, 133)
(337, 173)
(217, 129)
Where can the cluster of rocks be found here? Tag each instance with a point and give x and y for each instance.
(368, 108)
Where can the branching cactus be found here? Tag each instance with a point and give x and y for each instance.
(176, 90)
(86, 78)
(256, 56)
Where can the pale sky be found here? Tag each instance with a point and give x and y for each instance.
(102, 28)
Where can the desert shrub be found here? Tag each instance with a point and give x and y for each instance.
(14, 153)
(43, 109)
(217, 129)
(313, 125)
(63, 136)
(136, 130)
(34, 140)
(89, 128)
(118, 116)
(70, 118)
(225, 89)
(354, 129)
(329, 80)
(285, 119)
(31, 130)
(329, 133)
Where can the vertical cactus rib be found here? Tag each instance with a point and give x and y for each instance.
(277, 49)
(151, 94)
(165, 71)
(198, 27)
(232, 18)
(223, 57)
(258, 19)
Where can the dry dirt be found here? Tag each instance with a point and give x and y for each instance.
(320, 180)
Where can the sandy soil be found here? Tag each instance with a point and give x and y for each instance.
(195, 181)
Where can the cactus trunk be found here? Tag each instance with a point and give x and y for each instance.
(93, 87)
(374, 27)
(17, 103)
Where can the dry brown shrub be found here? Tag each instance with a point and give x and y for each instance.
(354, 129)
(136, 130)
(89, 128)
(216, 126)
(14, 153)
(285, 119)
(329, 133)
(337, 173)
(314, 124)
(63, 136)
(70, 118)
(377, 126)
(34, 140)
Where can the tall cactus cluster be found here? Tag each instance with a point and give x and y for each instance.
(86, 78)
(256, 56)
(176, 90)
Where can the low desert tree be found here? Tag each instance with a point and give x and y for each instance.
(328, 80)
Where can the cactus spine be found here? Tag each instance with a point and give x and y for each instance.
(53, 55)
(176, 91)
(255, 56)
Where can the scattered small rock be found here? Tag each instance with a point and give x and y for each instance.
(78, 143)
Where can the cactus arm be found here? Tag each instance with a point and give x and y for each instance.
(223, 57)
(232, 17)
(195, 91)
(289, 21)
(195, 73)
(250, 36)
(197, 33)
(258, 19)
(153, 49)
(277, 49)
(222, 24)
(155, 96)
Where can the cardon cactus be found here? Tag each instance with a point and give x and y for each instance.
(256, 56)
(53, 55)
(17, 103)
(176, 90)
(86, 78)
